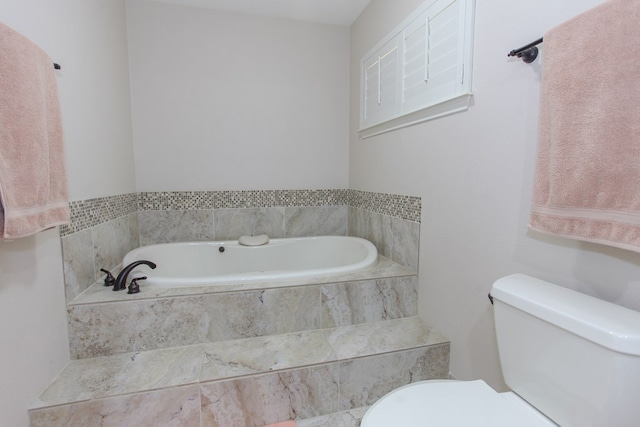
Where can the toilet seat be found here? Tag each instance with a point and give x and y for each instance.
(448, 403)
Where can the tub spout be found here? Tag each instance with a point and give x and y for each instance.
(121, 280)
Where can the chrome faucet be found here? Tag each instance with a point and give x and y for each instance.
(121, 280)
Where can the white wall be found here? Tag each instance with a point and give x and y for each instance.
(229, 101)
(88, 39)
(474, 172)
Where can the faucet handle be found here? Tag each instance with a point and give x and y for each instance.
(109, 280)
(134, 287)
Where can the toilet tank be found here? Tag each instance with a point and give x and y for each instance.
(573, 357)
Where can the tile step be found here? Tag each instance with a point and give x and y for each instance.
(106, 323)
(108, 376)
(350, 418)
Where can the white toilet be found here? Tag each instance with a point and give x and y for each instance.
(571, 360)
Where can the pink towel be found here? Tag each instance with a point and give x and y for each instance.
(33, 180)
(283, 424)
(587, 184)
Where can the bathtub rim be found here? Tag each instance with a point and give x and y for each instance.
(97, 293)
(371, 259)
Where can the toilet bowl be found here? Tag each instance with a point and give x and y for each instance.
(571, 360)
(449, 403)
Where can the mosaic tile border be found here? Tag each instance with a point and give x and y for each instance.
(184, 200)
(175, 200)
(92, 212)
(405, 207)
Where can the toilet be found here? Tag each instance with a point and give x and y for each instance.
(571, 360)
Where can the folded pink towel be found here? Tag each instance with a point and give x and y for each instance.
(283, 424)
(33, 180)
(587, 183)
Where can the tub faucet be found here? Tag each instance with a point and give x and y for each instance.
(121, 280)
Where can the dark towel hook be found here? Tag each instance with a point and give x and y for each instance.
(528, 53)
(56, 66)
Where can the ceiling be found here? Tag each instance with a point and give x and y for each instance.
(332, 12)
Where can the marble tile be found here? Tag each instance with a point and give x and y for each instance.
(266, 399)
(260, 313)
(175, 226)
(111, 242)
(256, 355)
(375, 227)
(381, 337)
(105, 329)
(100, 377)
(365, 380)
(179, 407)
(257, 381)
(105, 376)
(134, 231)
(316, 221)
(101, 246)
(399, 296)
(368, 301)
(232, 223)
(98, 293)
(351, 418)
(394, 238)
(79, 263)
(406, 242)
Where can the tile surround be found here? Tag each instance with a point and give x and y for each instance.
(103, 230)
(200, 377)
(183, 200)
(107, 329)
(231, 223)
(91, 212)
(147, 321)
(393, 205)
(175, 226)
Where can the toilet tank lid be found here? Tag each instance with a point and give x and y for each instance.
(609, 325)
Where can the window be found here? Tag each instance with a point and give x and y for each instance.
(421, 71)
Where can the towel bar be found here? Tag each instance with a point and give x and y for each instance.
(528, 53)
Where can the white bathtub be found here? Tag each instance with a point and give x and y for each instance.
(209, 263)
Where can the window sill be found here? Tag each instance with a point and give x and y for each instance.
(453, 105)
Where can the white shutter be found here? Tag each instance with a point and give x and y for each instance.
(431, 45)
(380, 74)
(426, 63)
(414, 70)
(444, 36)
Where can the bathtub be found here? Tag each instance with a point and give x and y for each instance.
(211, 263)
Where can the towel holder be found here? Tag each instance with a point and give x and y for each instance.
(528, 53)
(56, 66)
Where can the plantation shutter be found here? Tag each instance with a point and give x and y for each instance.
(381, 83)
(431, 62)
(427, 62)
